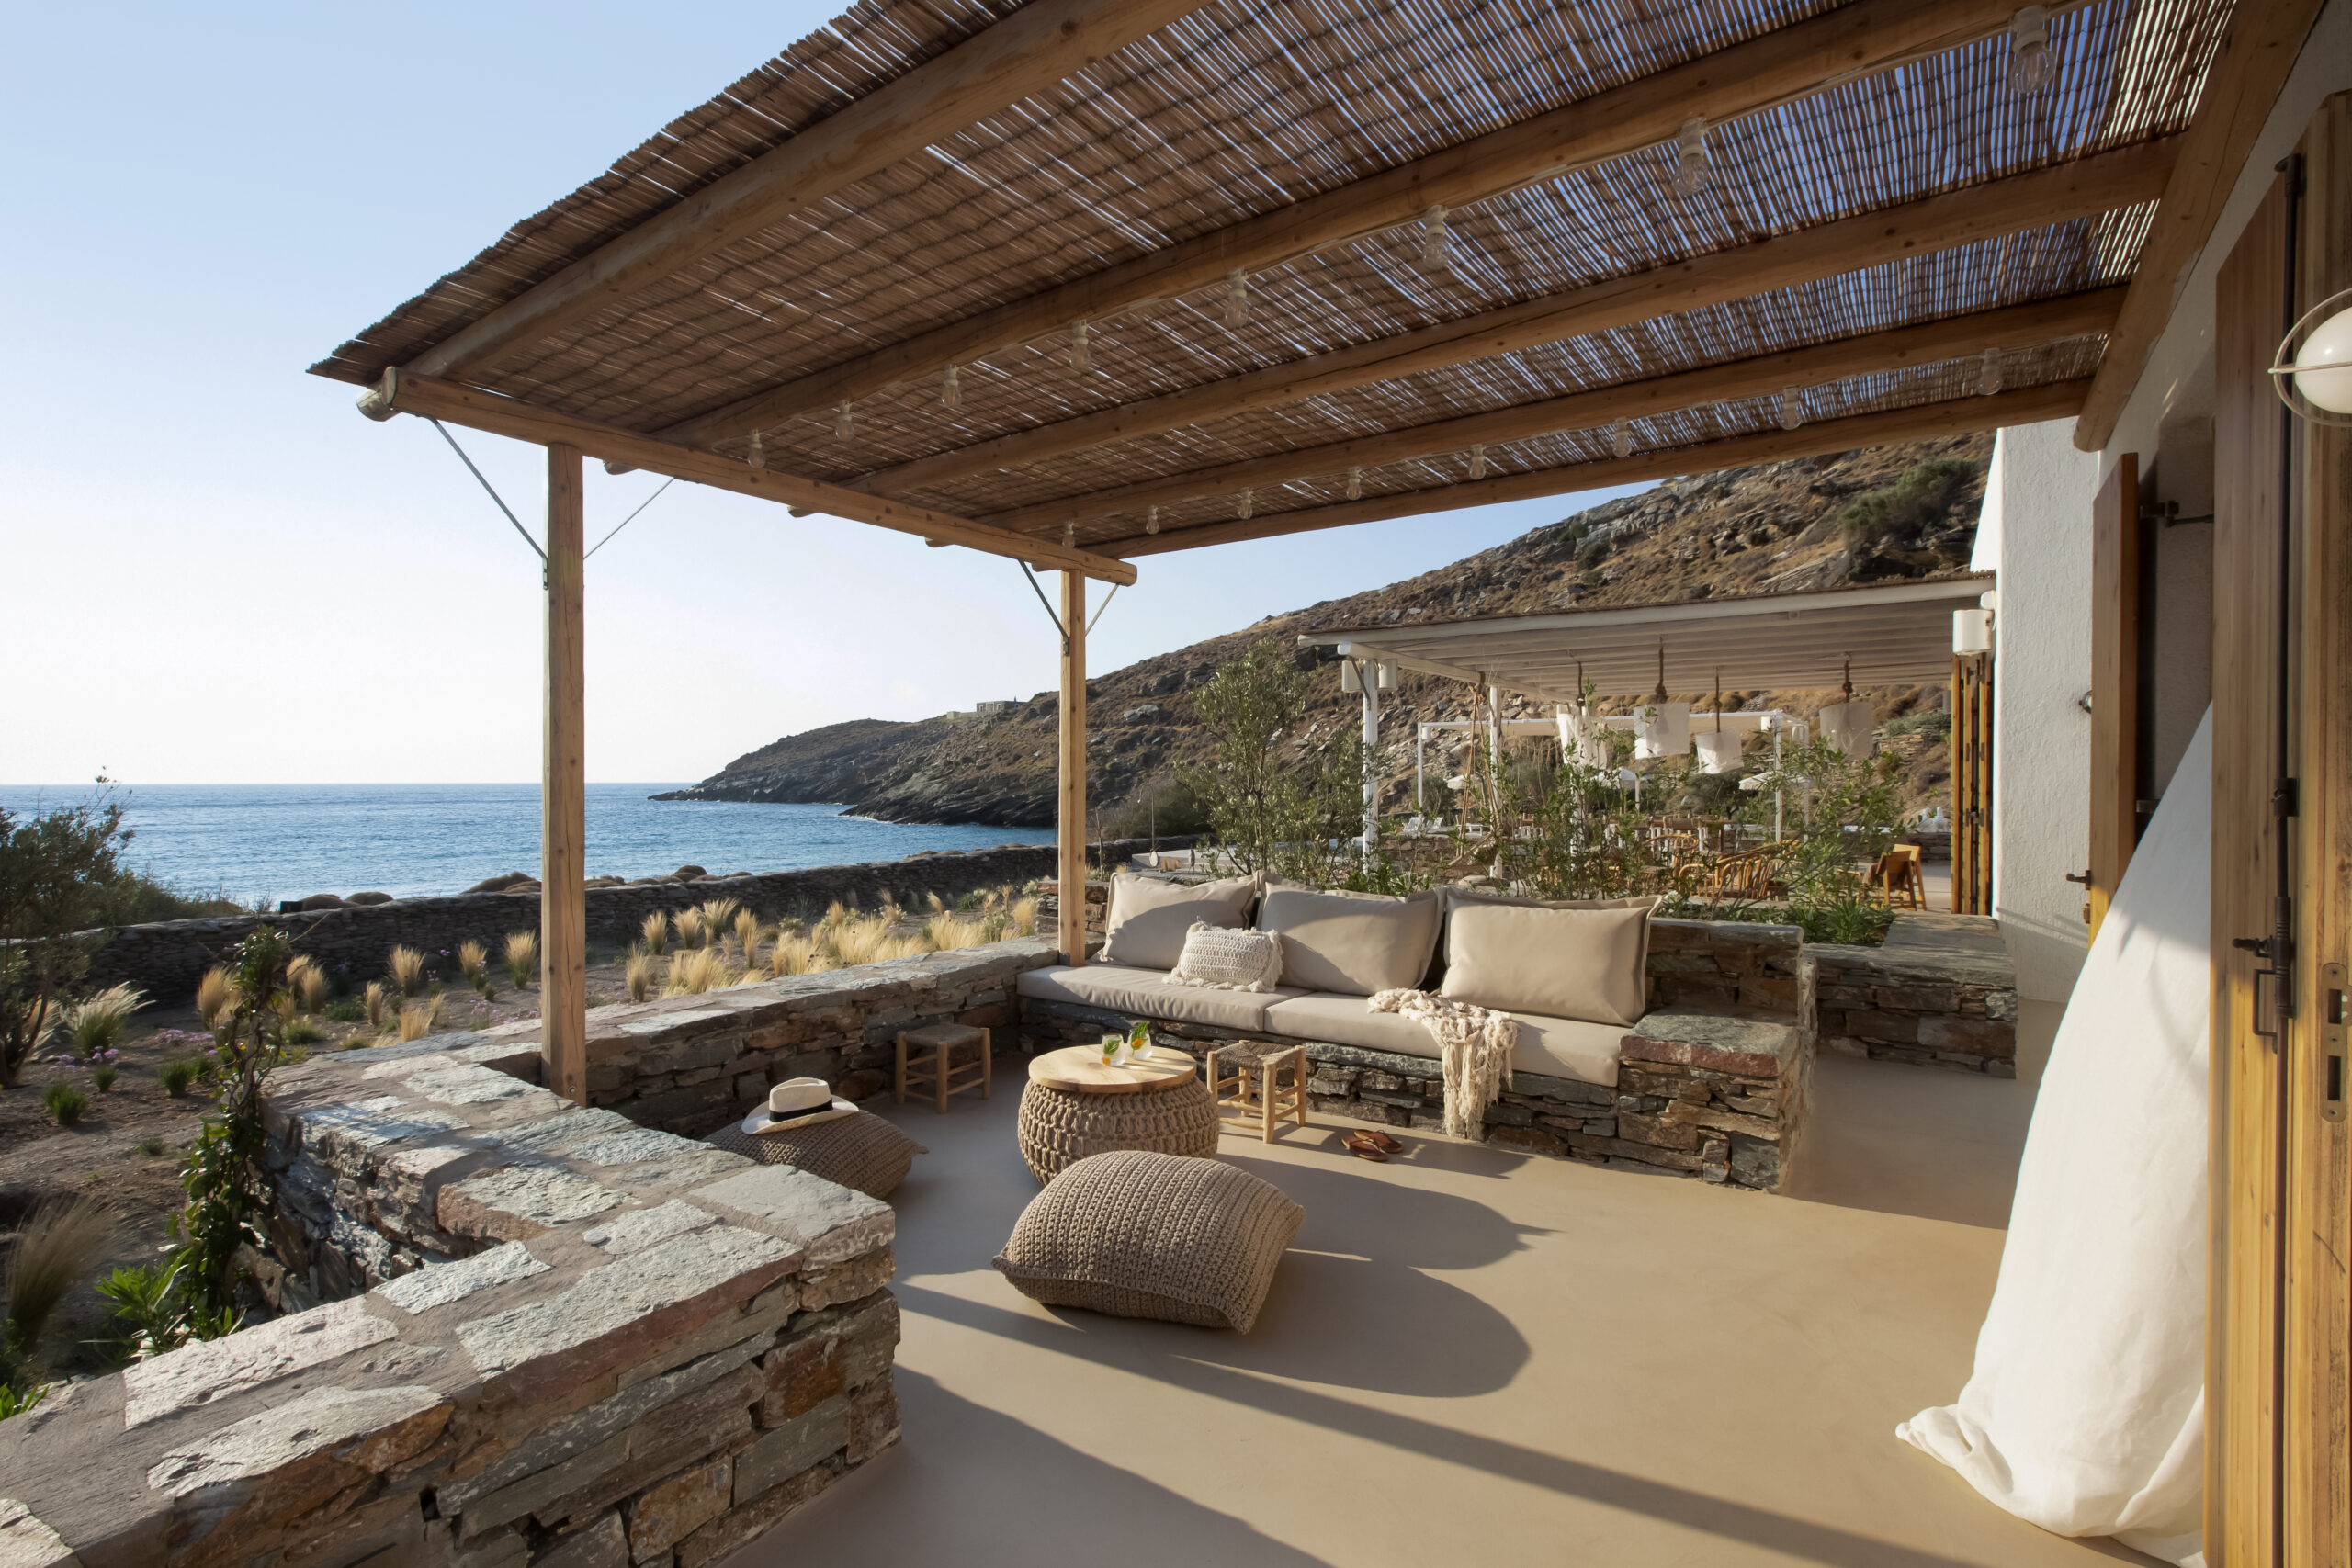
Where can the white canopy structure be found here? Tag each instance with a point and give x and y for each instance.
(1896, 634)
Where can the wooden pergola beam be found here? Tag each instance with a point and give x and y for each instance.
(2081, 187)
(2012, 327)
(1956, 416)
(1039, 45)
(432, 398)
(1789, 63)
(2257, 53)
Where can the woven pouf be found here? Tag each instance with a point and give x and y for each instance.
(863, 1152)
(1059, 1128)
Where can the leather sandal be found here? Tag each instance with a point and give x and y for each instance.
(1383, 1142)
(1361, 1146)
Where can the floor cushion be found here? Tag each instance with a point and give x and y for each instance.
(865, 1152)
(1149, 917)
(1135, 1234)
(1334, 941)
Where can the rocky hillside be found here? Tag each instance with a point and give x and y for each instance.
(1879, 514)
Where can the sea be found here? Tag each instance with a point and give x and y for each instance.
(251, 842)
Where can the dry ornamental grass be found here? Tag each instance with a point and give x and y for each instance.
(656, 930)
(522, 957)
(215, 994)
(63, 1242)
(407, 968)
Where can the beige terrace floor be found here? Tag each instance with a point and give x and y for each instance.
(1470, 1357)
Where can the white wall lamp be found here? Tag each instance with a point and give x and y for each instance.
(2313, 372)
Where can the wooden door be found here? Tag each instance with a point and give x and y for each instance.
(2115, 682)
(2279, 1360)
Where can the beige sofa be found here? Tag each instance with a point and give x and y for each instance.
(1715, 1090)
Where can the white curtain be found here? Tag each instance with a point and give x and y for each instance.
(2085, 1412)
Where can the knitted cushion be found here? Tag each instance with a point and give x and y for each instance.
(1140, 1234)
(1224, 959)
(863, 1152)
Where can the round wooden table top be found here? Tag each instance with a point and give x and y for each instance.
(1080, 1069)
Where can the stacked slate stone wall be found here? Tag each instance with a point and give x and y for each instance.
(166, 958)
(633, 1349)
(1951, 1008)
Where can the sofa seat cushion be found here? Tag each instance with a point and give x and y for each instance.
(1149, 993)
(1555, 1047)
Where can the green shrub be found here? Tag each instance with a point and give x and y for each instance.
(104, 1075)
(151, 1145)
(177, 1076)
(302, 1031)
(65, 1102)
(1594, 552)
(1913, 723)
(346, 1009)
(1855, 922)
(1911, 502)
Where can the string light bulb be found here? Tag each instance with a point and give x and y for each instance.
(1437, 239)
(1792, 407)
(1248, 504)
(1237, 298)
(951, 390)
(1691, 170)
(757, 457)
(1988, 375)
(2031, 64)
(844, 421)
(1078, 340)
(1355, 484)
(1477, 460)
(1621, 438)
(1070, 535)
(1151, 521)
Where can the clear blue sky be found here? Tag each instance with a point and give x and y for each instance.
(213, 570)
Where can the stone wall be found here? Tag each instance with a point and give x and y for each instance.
(1940, 1008)
(692, 1064)
(166, 958)
(634, 1349)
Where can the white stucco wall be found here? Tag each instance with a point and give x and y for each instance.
(2037, 506)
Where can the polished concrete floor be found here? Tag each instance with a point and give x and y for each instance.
(1470, 1357)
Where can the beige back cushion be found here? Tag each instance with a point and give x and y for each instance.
(1149, 918)
(1455, 896)
(1352, 945)
(1584, 963)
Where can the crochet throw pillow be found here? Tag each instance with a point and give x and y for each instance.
(1225, 958)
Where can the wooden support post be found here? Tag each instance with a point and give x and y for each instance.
(563, 898)
(1071, 820)
(2115, 682)
(1971, 783)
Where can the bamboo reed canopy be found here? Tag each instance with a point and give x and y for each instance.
(1878, 635)
(1078, 281)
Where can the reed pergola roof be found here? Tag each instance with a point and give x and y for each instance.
(1879, 635)
(1078, 281)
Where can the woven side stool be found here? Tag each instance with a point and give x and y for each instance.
(1246, 1082)
(939, 1072)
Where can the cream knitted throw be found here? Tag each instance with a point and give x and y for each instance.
(1473, 1042)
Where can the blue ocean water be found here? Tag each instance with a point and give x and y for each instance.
(248, 841)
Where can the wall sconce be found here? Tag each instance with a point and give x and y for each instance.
(2313, 372)
(1972, 631)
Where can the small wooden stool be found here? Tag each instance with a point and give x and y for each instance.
(941, 1040)
(1247, 1079)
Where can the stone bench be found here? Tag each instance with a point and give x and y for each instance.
(1721, 1097)
(1930, 1003)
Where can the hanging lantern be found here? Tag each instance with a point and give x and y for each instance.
(1719, 749)
(757, 457)
(1237, 298)
(2031, 66)
(1792, 407)
(1151, 521)
(1079, 337)
(1350, 677)
(1477, 460)
(1851, 727)
(844, 421)
(1355, 484)
(1691, 170)
(1386, 674)
(1621, 438)
(1662, 729)
(1248, 504)
(1437, 241)
(1988, 373)
(951, 390)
